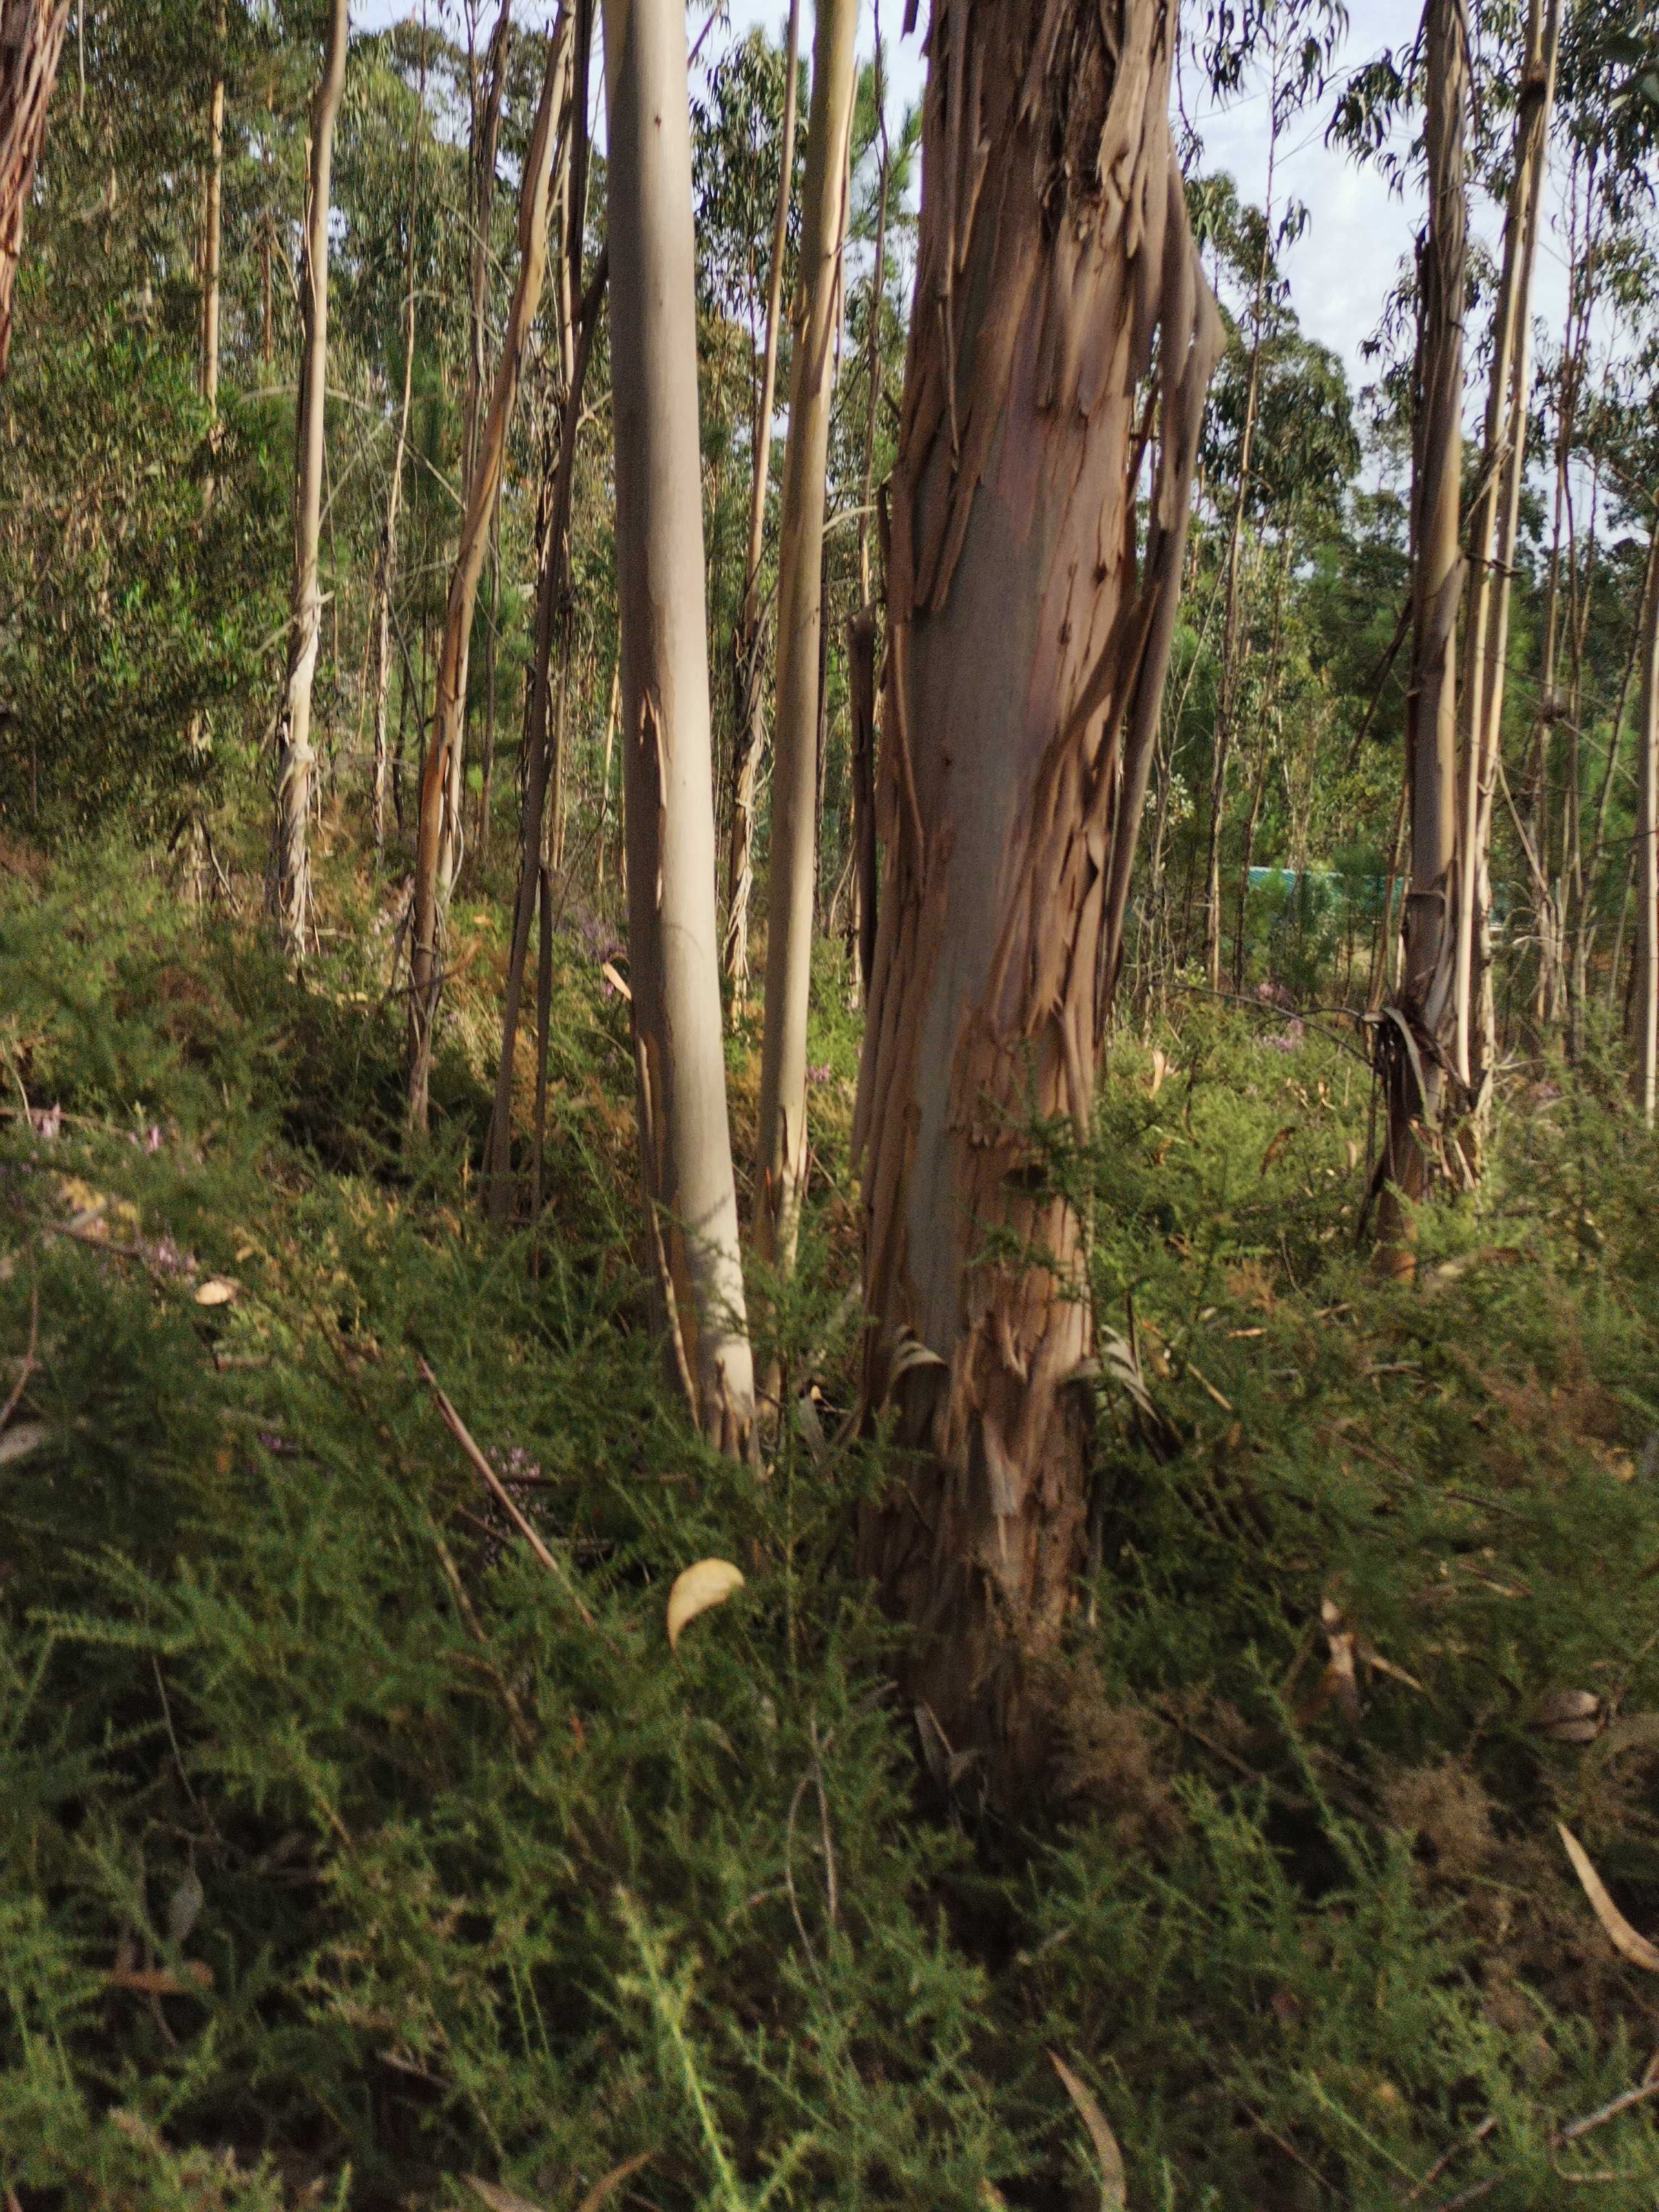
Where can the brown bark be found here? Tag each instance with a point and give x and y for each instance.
(1030, 622)
(449, 705)
(291, 868)
(1647, 862)
(793, 882)
(861, 685)
(685, 1144)
(749, 736)
(1411, 1035)
(31, 41)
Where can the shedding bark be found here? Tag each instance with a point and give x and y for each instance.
(450, 703)
(1647, 860)
(290, 895)
(1410, 1033)
(749, 739)
(685, 1144)
(781, 1151)
(31, 41)
(1030, 622)
(1493, 527)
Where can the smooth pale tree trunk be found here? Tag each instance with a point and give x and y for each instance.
(748, 740)
(685, 1142)
(291, 868)
(31, 41)
(486, 124)
(386, 562)
(198, 740)
(1029, 620)
(1410, 1037)
(861, 630)
(782, 1152)
(1647, 861)
(1492, 531)
(449, 705)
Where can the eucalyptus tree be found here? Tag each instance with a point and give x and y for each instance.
(290, 888)
(792, 902)
(31, 40)
(1031, 603)
(691, 1196)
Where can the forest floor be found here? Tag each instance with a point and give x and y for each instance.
(355, 1850)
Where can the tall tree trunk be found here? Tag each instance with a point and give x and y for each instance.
(1492, 533)
(386, 558)
(781, 1150)
(1029, 635)
(31, 41)
(450, 702)
(861, 630)
(1410, 1037)
(1647, 861)
(212, 220)
(559, 481)
(685, 1142)
(485, 132)
(291, 867)
(749, 730)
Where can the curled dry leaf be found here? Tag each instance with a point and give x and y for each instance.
(710, 1583)
(1276, 1144)
(21, 1438)
(617, 981)
(1625, 1940)
(499, 2199)
(1114, 2182)
(1158, 1070)
(1571, 1717)
(216, 1290)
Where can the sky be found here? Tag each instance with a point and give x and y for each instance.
(1349, 257)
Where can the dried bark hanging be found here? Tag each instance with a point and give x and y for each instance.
(1028, 634)
(690, 1197)
(781, 1150)
(747, 636)
(289, 891)
(1412, 1059)
(425, 964)
(31, 40)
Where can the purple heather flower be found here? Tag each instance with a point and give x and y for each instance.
(49, 1123)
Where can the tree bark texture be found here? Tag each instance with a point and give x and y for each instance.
(290, 872)
(793, 882)
(749, 732)
(1030, 622)
(450, 703)
(1414, 1032)
(685, 1143)
(31, 41)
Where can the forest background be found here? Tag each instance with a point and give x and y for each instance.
(1197, 1814)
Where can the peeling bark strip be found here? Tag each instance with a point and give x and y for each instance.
(1029, 635)
(31, 39)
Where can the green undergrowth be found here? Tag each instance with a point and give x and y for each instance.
(349, 1849)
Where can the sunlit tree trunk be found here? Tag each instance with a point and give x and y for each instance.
(1029, 621)
(1410, 1033)
(749, 733)
(385, 557)
(291, 868)
(1647, 860)
(685, 1144)
(450, 704)
(31, 40)
(1493, 533)
(861, 631)
(782, 1152)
